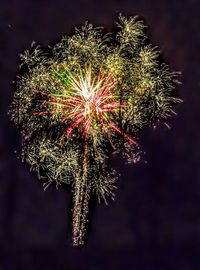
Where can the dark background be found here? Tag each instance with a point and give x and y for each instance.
(154, 223)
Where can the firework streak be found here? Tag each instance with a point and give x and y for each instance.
(84, 103)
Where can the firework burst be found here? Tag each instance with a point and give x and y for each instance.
(87, 101)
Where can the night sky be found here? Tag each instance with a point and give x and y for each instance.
(154, 222)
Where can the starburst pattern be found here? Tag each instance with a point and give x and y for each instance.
(84, 102)
(88, 103)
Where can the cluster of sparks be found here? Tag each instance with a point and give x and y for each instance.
(87, 103)
(91, 93)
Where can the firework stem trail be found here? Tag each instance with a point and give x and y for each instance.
(81, 201)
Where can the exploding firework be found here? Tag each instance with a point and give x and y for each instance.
(86, 100)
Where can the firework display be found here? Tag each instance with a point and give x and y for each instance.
(86, 99)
